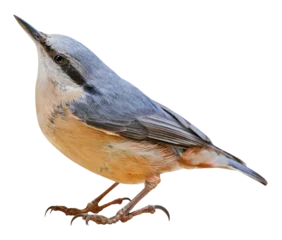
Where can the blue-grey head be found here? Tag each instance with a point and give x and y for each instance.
(67, 61)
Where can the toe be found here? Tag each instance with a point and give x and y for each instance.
(75, 211)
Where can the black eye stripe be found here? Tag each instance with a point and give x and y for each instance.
(70, 70)
(73, 74)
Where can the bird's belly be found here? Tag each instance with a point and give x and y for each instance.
(109, 155)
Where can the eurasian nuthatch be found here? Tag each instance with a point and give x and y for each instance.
(111, 128)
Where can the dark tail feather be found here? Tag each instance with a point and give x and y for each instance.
(233, 164)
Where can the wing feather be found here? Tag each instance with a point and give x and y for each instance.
(147, 120)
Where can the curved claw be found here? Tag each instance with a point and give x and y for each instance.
(48, 211)
(127, 199)
(89, 217)
(76, 216)
(162, 209)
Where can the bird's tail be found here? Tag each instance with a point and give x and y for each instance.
(216, 158)
(233, 164)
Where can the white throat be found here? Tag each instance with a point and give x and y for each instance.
(53, 88)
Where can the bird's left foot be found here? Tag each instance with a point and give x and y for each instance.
(91, 207)
(121, 215)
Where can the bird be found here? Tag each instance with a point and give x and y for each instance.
(108, 126)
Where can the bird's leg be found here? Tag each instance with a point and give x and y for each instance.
(124, 214)
(91, 207)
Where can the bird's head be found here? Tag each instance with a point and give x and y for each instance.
(64, 59)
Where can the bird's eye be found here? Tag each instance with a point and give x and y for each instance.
(60, 59)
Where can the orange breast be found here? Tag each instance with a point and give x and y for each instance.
(107, 154)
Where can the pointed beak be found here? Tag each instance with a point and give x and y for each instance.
(31, 31)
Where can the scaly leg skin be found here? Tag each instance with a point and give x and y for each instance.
(124, 214)
(91, 207)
